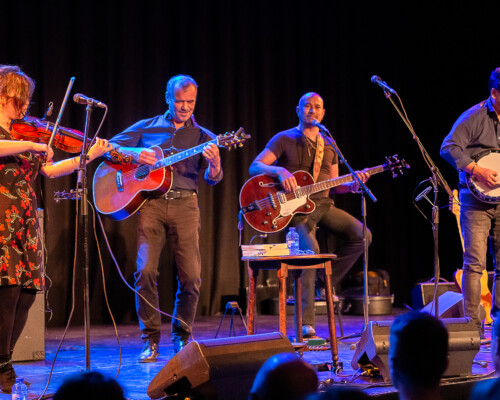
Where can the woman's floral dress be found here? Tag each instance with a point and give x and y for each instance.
(21, 249)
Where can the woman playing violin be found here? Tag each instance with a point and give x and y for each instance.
(21, 252)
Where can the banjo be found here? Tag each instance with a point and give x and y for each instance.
(487, 159)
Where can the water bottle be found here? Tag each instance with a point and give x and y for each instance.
(292, 241)
(20, 390)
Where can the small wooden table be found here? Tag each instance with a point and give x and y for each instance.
(296, 263)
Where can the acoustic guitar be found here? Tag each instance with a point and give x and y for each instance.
(121, 189)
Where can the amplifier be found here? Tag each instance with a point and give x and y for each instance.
(31, 343)
(423, 293)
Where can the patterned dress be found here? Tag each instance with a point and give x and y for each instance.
(21, 250)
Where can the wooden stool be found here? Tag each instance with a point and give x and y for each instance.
(297, 263)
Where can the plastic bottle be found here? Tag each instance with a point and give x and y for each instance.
(292, 241)
(20, 390)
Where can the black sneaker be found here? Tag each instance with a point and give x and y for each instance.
(308, 331)
(150, 352)
(321, 293)
(179, 344)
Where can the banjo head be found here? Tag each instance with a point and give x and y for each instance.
(487, 159)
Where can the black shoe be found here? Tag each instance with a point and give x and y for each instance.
(308, 331)
(179, 344)
(321, 293)
(7, 379)
(150, 352)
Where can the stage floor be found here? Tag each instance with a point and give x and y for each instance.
(135, 377)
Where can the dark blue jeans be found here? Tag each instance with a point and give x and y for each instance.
(340, 224)
(479, 221)
(176, 220)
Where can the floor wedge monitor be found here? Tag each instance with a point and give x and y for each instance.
(217, 369)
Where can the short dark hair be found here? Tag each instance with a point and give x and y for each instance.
(494, 82)
(418, 350)
(283, 376)
(89, 385)
(340, 393)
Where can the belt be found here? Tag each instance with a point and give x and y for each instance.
(178, 194)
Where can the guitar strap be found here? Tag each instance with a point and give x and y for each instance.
(318, 157)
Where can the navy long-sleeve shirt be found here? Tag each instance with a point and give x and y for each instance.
(160, 131)
(476, 130)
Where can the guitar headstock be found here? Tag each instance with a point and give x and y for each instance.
(232, 140)
(454, 204)
(396, 165)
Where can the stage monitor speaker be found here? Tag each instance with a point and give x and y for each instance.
(222, 369)
(463, 345)
(423, 293)
(451, 305)
(31, 343)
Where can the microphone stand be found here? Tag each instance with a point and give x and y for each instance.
(81, 197)
(364, 191)
(436, 180)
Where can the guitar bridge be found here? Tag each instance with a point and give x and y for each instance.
(272, 199)
(282, 198)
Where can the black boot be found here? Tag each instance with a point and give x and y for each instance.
(7, 378)
(150, 352)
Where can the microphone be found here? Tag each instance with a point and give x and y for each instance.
(82, 99)
(48, 113)
(423, 193)
(376, 80)
(319, 126)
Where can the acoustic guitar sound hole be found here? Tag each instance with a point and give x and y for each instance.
(142, 172)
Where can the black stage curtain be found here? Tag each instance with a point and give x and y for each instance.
(253, 60)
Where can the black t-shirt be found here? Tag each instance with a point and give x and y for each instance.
(295, 153)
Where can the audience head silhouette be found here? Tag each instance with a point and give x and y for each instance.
(418, 353)
(339, 393)
(89, 385)
(284, 376)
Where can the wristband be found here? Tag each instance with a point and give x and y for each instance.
(472, 170)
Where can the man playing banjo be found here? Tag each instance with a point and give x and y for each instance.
(471, 145)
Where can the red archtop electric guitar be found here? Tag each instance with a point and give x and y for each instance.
(267, 208)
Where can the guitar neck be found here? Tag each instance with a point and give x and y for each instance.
(324, 185)
(174, 158)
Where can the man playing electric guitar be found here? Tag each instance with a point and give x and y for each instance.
(174, 216)
(476, 130)
(304, 148)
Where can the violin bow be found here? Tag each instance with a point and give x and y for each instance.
(63, 105)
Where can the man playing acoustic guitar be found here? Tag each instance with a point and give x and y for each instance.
(478, 130)
(305, 148)
(174, 216)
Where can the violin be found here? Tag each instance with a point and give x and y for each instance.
(39, 131)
